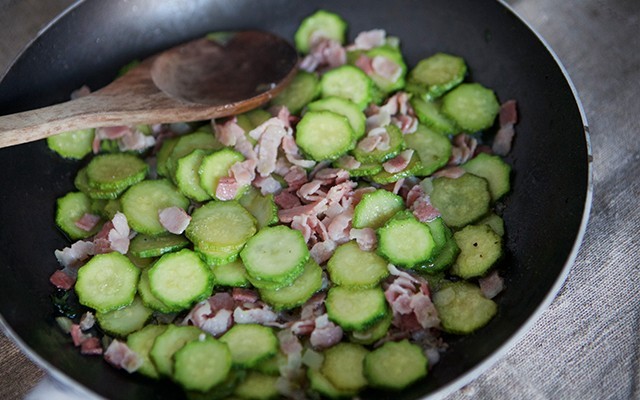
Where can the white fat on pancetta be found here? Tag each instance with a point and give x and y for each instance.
(121, 356)
(174, 219)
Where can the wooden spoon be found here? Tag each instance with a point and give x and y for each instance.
(212, 77)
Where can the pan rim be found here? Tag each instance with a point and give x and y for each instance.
(462, 380)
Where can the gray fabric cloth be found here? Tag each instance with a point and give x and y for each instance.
(586, 345)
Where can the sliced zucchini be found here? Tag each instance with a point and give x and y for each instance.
(230, 274)
(429, 113)
(69, 209)
(202, 364)
(324, 135)
(472, 106)
(167, 343)
(494, 170)
(438, 74)
(376, 208)
(348, 82)
(396, 145)
(275, 254)
(374, 333)
(72, 144)
(321, 24)
(300, 290)
(461, 201)
(355, 309)
(250, 343)
(180, 279)
(344, 107)
(480, 248)
(258, 386)
(143, 201)
(462, 308)
(263, 208)
(434, 149)
(215, 166)
(125, 320)
(149, 299)
(107, 282)
(187, 175)
(200, 139)
(303, 89)
(110, 172)
(394, 246)
(395, 365)
(141, 342)
(351, 267)
(220, 225)
(343, 366)
(145, 246)
(322, 385)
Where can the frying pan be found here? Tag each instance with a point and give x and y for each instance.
(545, 214)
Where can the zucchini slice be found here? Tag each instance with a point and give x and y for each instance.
(107, 282)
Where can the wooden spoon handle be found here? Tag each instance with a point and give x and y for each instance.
(81, 113)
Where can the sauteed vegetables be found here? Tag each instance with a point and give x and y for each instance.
(321, 245)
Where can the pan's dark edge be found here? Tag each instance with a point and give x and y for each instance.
(526, 70)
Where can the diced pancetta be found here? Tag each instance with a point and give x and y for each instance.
(243, 295)
(289, 343)
(286, 200)
(258, 315)
(491, 285)
(120, 355)
(508, 113)
(376, 139)
(268, 185)
(87, 321)
(87, 222)
(292, 153)
(174, 219)
(77, 335)
(349, 162)
(218, 323)
(464, 147)
(136, 141)
(423, 210)
(503, 140)
(286, 216)
(399, 162)
(324, 53)
(295, 177)
(229, 132)
(74, 255)
(364, 63)
(91, 347)
(227, 188)
(325, 334)
(82, 91)
(267, 148)
(322, 251)
(61, 280)
(340, 225)
(451, 171)
(119, 235)
(244, 172)
(367, 40)
(365, 238)
(386, 68)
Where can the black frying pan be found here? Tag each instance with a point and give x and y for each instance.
(545, 214)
